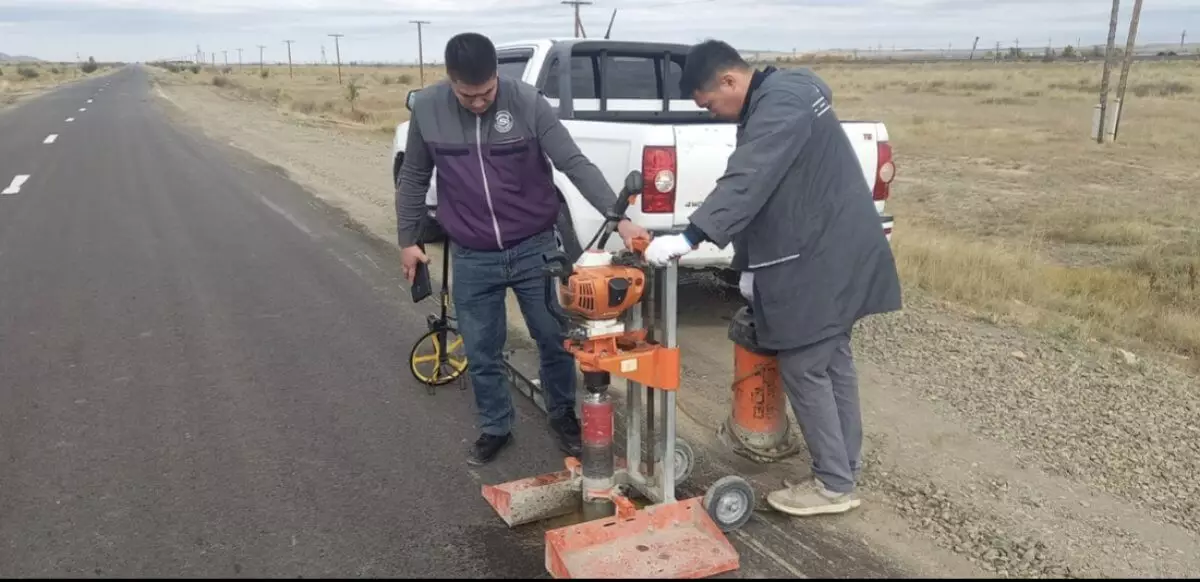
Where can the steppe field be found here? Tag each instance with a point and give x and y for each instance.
(1034, 410)
(22, 80)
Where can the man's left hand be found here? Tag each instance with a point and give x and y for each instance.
(630, 231)
(664, 249)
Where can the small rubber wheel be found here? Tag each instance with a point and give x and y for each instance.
(730, 503)
(433, 367)
(685, 460)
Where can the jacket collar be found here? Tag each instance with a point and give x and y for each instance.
(755, 81)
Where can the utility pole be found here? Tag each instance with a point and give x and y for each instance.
(261, 48)
(420, 49)
(338, 48)
(1182, 37)
(289, 43)
(226, 55)
(973, 47)
(577, 4)
(1112, 39)
(996, 55)
(323, 60)
(239, 59)
(1129, 45)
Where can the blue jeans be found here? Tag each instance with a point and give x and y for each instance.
(481, 280)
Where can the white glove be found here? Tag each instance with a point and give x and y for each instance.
(746, 285)
(665, 248)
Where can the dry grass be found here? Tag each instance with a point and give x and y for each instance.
(1004, 204)
(24, 79)
(313, 91)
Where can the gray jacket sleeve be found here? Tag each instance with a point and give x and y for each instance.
(557, 142)
(412, 186)
(775, 132)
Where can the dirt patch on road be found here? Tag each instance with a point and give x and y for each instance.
(992, 450)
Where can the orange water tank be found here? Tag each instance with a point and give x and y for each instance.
(757, 426)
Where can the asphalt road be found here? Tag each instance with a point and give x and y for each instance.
(203, 373)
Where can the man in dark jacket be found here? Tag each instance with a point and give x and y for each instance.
(809, 243)
(489, 137)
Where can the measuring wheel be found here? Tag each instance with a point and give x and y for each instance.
(730, 502)
(438, 358)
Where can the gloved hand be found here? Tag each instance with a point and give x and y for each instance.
(746, 285)
(665, 248)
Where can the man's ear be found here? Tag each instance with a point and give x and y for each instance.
(728, 80)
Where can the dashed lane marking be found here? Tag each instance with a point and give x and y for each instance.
(16, 184)
(51, 138)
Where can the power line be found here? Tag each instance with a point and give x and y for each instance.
(289, 43)
(338, 47)
(577, 4)
(420, 48)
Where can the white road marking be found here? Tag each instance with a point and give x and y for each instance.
(287, 215)
(70, 119)
(51, 138)
(15, 187)
(83, 108)
(89, 100)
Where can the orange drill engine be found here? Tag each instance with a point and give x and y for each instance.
(602, 292)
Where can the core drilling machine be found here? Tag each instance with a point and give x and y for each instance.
(611, 299)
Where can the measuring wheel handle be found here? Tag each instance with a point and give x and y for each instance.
(730, 503)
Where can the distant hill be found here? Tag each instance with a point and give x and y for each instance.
(17, 59)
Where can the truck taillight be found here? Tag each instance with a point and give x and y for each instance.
(658, 176)
(884, 173)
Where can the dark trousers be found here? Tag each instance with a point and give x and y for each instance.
(481, 281)
(822, 386)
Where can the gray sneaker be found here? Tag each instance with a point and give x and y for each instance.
(811, 498)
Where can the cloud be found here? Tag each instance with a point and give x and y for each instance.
(380, 30)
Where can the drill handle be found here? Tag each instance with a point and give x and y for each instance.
(629, 193)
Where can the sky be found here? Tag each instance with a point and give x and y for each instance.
(380, 30)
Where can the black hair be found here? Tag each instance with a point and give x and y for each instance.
(707, 60)
(470, 58)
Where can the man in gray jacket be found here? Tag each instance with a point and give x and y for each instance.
(489, 137)
(809, 243)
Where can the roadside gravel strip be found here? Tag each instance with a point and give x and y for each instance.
(1126, 425)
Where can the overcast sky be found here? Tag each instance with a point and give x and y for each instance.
(379, 30)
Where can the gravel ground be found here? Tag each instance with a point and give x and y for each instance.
(1127, 425)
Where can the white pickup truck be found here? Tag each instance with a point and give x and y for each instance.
(621, 102)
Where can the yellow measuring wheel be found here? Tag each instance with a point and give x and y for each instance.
(438, 358)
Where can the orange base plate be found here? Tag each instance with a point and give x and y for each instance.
(676, 540)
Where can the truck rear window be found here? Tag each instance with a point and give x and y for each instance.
(627, 77)
(512, 67)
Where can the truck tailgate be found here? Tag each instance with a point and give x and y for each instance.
(701, 151)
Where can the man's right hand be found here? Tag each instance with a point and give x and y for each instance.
(410, 257)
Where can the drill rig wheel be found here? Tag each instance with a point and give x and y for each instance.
(438, 358)
(730, 503)
(685, 460)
